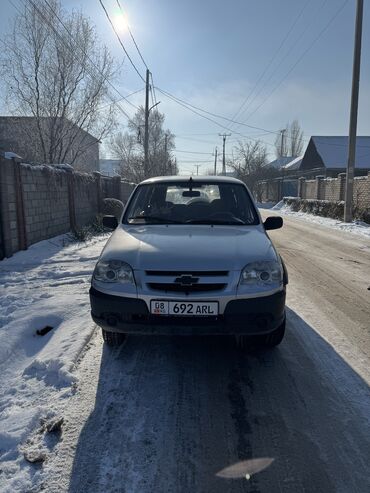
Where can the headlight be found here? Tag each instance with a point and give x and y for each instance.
(267, 273)
(113, 271)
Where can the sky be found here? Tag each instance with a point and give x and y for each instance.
(285, 59)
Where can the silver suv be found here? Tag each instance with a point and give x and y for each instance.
(190, 256)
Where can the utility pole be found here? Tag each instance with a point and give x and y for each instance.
(282, 142)
(223, 152)
(197, 166)
(146, 135)
(353, 114)
(165, 153)
(215, 170)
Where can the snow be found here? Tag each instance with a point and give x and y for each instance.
(294, 164)
(355, 227)
(10, 155)
(46, 285)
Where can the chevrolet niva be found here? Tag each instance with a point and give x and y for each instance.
(190, 256)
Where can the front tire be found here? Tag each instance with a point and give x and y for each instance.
(113, 338)
(274, 338)
(266, 341)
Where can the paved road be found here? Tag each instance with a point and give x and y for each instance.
(170, 414)
(330, 270)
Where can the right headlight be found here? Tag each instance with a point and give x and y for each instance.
(267, 273)
(114, 271)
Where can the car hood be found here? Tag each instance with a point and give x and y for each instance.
(195, 247)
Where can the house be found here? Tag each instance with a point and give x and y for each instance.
(110, 167)
(280, 162)
(293, 165)
(49, 140)
(329, 154)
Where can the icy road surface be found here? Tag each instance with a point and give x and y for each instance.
(197, 415)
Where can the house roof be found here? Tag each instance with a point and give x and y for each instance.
(333, 150)
(294, 164)
(280, 162)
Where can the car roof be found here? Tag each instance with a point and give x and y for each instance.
(194, 179)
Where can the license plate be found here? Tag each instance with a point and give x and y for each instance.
(184, 309)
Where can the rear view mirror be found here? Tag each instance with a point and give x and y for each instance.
(110, 222)
(191, 193)
(273, 222)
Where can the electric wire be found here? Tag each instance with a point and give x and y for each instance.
(120, 41)
(70, 46)
(271, 60)
(326, 27)
(88, 69)
(132, 36)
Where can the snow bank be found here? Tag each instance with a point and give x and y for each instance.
(45, 286)
(356, 227)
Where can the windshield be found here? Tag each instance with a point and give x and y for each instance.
(191, 203)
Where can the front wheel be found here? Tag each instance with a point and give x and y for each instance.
(265, 341)
(113, 338)
(274, 338)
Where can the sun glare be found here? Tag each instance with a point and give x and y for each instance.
(120, 22)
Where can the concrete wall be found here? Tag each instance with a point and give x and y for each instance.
(39, 202)
(330, 189)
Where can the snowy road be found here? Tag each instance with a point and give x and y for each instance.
(170, 414)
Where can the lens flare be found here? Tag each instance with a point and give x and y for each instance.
(120, 22)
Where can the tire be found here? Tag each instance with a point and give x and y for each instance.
(268, 341)
(275, 338)
(113, 338)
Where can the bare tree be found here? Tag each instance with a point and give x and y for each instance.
(128, 147)
(296, 139)
(250, 163)
(290, 141)
(59, 75)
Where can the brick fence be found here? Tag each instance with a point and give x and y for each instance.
(39, 202)
(321, 188)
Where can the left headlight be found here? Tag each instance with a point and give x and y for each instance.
(113, 271)
(266, 273)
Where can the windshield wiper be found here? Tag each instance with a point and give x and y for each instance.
(157, 219)
(214, 221)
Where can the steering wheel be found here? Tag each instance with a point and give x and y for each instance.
(198, 200)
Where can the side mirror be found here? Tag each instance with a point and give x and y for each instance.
(110, 222)
(273, 222)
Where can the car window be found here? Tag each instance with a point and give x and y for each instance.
(187, 202)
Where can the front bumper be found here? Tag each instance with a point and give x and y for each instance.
(251, 316)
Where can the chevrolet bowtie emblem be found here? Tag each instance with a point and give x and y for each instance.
(186, 280)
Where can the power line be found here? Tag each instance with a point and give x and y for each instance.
(132, 37)
(88, 69)
(120, 41)
(40, 13)
(194, 152)
(189, 107)
(153, 88)
(326, 27)
(271, 60)
(308, 25)
(125, 97)
(195, 161)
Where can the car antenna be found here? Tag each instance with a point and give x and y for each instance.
(191, 184)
